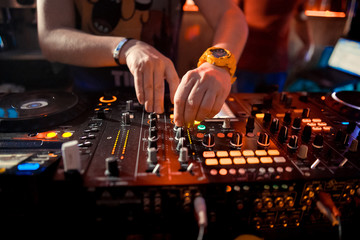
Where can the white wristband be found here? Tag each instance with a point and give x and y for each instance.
(118, 48)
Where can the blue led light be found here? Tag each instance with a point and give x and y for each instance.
(28, 166)
(201, 127)
(345, 123)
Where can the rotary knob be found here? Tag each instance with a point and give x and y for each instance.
(306, 134)
(267, 118)
(318, 141)
(152, 156)
(250, 124)
(293, 142)
(179, 133)
(296, 123)
(264, 140)
(287, 118)
(303, 152)
(236, 140)
(274, 126)
(153, 134)
(183, 155)
(306, 113)
(208, 140)
(283, 134)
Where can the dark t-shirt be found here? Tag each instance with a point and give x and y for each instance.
(156, 22)
(266, 49)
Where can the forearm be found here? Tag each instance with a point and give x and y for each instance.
(74, 47)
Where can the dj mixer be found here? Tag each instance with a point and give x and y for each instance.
(276, 165)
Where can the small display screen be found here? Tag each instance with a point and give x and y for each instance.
(346, 56)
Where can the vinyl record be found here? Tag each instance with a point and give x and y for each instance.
(34, 111)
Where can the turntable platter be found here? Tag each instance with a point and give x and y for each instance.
(346, 103)
(37, 110)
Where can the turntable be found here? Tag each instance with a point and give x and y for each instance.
(37, 110)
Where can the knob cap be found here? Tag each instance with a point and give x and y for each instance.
(264, 140)
(306, 113)
(181, 143)
(111, 166)
(267, 117)
(354, 146)
(126, 118)
(318, 141)
(129, 105)
(274, 127)
(293, 142)
(303, 151)
(287, 118)
(250, 124)
(153, 134)
(296, 123)
(183, 155)
(152, 156)
(208, 140)
(153, 123)
(283, 134)
(306, 135)
(226, 123)
(236, 140)
(180, 132)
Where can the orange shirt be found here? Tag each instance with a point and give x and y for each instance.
(269, 21)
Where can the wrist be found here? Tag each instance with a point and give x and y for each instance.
(118, 51)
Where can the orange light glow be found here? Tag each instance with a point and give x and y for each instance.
(312, 13)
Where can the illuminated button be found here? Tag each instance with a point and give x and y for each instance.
(327, 129)
(260, 115)
(242, 171)
(239, 160)
(201, 127)
(306, 120)
(222, 154)
(171, 116)
(220, 135)
(316, 128)
(213, 172)
(280, 169)
(298, 110)
(208, 154)
(289, 169)
(316, 120)
(266, 160)
(28, 166)
(322, 124)
(229, 135)
(235, 153)
(280, 115)
(248, 153)
(260, 153)
(273, 152)
(223, 171)
(225, 161)
(311, 124)
(232, 171)
(211, 162)
(252, 160)
(196, 122)
(113, 99)
(200, 135)
(279, 159)
(51, 135)
(67, 134)
(2, 170)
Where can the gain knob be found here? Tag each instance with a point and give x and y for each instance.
(236, 140)
(283, 134)
(183, 155)
(208, 140)
(296, 123)
(264, 140)
(306, 134)
(318, 141)
(305, 113)
(287, 118)
(267, 118)
(293, 142)
(274, 126)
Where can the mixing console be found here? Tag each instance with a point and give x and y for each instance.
(265, 163)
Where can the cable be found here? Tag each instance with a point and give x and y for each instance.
(200, 211)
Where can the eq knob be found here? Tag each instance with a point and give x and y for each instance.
(236, 140)
(287, 118)
(267, 118)
(274, 126)
(250, 124)
(208, 140)
(306, 113)
(183, 155)
(283, 134)
(180, 132)
(181, 143)
(318, 141)
(296, 123)
(303, 152)
(306, 134)
(264, 140)
(293, 142)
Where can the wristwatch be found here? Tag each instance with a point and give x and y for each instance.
(220, 57)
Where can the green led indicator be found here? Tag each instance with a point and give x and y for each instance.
(201, 127)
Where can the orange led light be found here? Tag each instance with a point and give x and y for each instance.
(103, 100)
